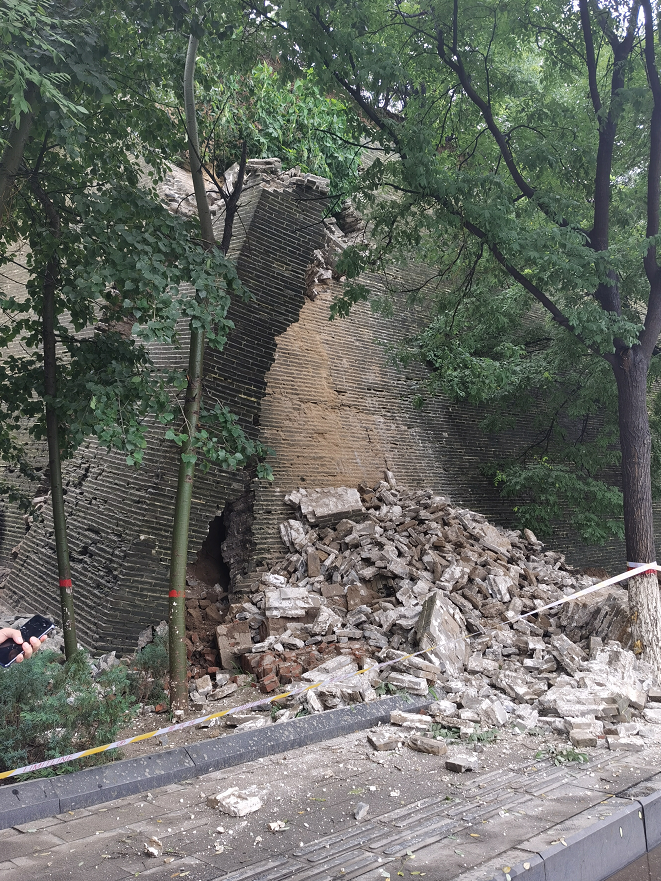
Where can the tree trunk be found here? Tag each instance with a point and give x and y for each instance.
(52, 434)
(179, 553)
(13, 154)
(635, 441)
(54, 461)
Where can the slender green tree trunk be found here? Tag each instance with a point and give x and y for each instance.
(179, 553)
(52, 434)
(54, 461)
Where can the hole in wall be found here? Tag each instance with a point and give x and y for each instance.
(210, 568)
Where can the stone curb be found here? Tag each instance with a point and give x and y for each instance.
(599, 851)
(36, 799)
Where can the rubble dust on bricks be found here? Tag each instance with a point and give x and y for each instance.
(372, 574)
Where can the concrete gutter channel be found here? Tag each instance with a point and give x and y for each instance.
(593, 854)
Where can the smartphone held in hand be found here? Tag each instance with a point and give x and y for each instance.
(37, 626)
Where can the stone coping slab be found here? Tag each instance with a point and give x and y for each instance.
(36, 799)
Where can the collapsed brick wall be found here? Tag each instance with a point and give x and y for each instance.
(337, 412)
(120, 518)
(324, 396)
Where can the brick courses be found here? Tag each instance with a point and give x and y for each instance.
(324, 396)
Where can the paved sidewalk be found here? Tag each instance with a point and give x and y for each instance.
(423, 821)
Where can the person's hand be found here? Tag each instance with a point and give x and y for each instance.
(28, 647)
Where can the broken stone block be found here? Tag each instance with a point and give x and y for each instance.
(441, 628)
(330, 696)
(382, 739)
(338, 666)
(478, 664)
(313, 564)
(493, 713)
(324, 507)
(154, 847)
(290, 602)
(567, 653)
(325, 622)
(313, 702)
(652, 715)
(332, 590)
(460, 763)
(203, 686)
(258, 722)
(582, 739)
(427, 745)
(412, 684)
(654, 695)
(233, 640)
(293, 535)
(359, 595)
(442, 708)
(410, 720)
(630, 744)
(499, 587)
(493, 538)
(224, 691)
(234, 802)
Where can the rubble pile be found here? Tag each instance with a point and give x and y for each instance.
(375, 573)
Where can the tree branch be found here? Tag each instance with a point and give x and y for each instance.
(590, 56)
(485, 109)
(13, 153)
(558, 316)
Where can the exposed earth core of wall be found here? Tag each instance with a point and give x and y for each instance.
(323, 395)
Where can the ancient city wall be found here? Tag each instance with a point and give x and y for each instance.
(322, 395)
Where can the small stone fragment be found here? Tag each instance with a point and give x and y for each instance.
(235, 802)
(582, 739)
(427, 745)
(410, 720)
(461, 763)
(154, 847)
(361, 811)
(382, 739)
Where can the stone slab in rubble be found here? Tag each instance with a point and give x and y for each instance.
(324, 507)
(442, 625)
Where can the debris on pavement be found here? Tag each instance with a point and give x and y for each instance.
(154, 847)
(235, 802)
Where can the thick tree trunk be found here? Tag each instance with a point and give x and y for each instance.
(635, 441)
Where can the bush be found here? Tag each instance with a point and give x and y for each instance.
(149, 670)
(49, 709)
